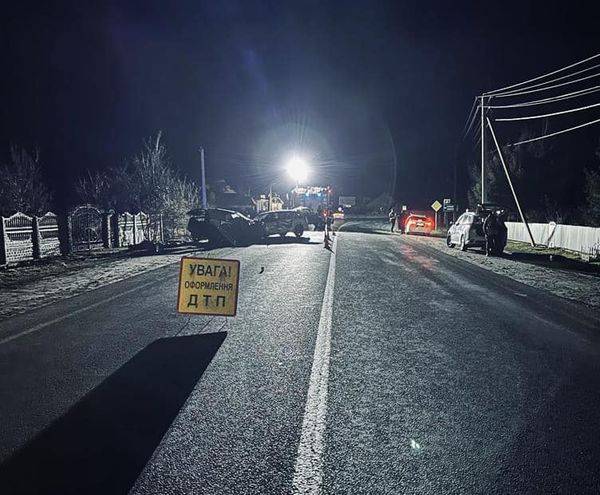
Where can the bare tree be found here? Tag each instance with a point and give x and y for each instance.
(151, 176)
(110, 188)
(21, 184)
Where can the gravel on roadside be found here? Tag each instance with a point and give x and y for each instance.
(570, 284)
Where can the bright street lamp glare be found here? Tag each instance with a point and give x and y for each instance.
(297, 168)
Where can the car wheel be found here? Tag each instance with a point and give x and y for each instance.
(463, 244)
(298, 230)
(449, 242)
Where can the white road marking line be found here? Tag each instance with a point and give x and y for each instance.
(308, 475)
(73, 313)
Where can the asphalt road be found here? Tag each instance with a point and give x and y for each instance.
(386, 367)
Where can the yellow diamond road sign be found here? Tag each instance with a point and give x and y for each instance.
(436, 205)
(208, 286)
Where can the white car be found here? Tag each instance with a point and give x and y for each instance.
(283, 221)
(466, 232)
(418, 224)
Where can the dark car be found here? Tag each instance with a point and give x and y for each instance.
(283, 221)
(223, 227)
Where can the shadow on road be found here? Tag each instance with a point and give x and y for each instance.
(272, 241)
(103, 442)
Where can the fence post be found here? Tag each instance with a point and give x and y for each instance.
(2, 242)
(115, 230)
(36, 238)
(135, 229)
(106, 230)
(65, 234)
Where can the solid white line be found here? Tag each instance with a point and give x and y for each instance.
(73, 313)
(308, 475)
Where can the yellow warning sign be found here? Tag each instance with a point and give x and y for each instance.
(208, 286)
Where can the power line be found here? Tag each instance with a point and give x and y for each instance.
(473, 120)
(531, 117)
(542, 76)
(469, 116)
(587, 69)
(546, 136)
(508, 95)
(552, 99)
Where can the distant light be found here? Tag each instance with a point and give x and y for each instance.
(297, 168)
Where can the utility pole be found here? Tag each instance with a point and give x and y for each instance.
(454, 190)
(203, 184)
(482, 151)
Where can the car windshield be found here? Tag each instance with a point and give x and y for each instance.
(263, 247)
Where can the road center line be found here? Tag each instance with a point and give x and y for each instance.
(308, 473)
(41, 326)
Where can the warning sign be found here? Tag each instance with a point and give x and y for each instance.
(208, 286)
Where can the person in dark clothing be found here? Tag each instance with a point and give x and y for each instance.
(400, 221)
(492, 231)
(393, 218)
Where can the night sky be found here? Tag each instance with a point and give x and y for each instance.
(343, 82)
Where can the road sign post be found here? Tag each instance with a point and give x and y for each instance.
(208, 286)
(436, 207)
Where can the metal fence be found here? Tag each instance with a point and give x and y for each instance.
(85, 228)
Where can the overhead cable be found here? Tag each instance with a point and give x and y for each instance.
(542, 76)
(552, 99)
(508, 95)
(546, 136)
(467, 124)
(473, 120)
(556, 79)
(553, 114)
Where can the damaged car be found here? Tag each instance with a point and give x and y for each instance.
(220, 227)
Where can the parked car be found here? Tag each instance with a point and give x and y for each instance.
(418, 224)
(468, 230)
(223, 227)
(283, 221)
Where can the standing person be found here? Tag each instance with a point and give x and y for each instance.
(393, 217)
(401, 219)
(491, 231)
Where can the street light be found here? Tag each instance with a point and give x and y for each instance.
(297, 169)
